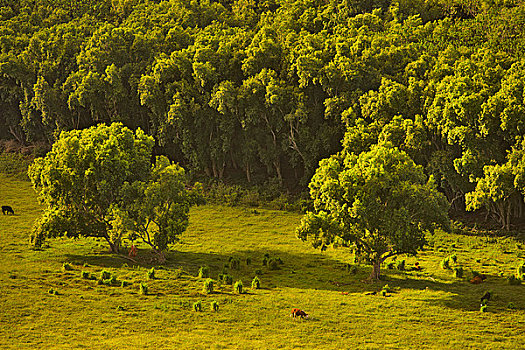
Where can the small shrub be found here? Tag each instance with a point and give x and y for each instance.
(204, 272)
(511, 306)
(513, 280)
(151, 273)
(143, 289)
(197, 306)
(273, 264)
(387, 289)
(105, 275)
(67, 266)
(214, 306)
(458, 272)
(113, 280)
(235, 264)
(483, 308)
(401, 265)
(85, 275)
(237, 287)
(256, 283)
(445, 263)
(225, 278)
(208, 286)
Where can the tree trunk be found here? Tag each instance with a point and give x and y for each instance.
(376, 270)
(248, 173)
(113, 247)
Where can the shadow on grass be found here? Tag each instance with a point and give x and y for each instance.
(313, 272)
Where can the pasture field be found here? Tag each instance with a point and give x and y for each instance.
(48, 305)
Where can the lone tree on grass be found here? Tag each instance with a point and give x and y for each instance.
(378, 203)
(85, 183)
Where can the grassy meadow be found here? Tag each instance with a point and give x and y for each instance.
(51, 299)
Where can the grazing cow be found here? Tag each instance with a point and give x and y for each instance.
(477, 280)
(299, 313)
(6, 209)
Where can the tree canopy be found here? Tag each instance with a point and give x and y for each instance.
(378, 203)
(99, 182)
(265, 90)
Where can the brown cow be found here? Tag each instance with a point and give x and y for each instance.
(299, 313)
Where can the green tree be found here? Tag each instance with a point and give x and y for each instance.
(80, 180)
(156, 210)
(379, 203)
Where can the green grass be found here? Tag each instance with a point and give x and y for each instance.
(428, 309)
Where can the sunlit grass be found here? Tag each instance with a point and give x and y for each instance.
(428, 308)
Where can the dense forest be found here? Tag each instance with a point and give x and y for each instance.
(263, 90)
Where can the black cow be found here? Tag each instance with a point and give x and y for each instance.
(6, 209)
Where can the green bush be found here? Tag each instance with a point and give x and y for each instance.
(143, 289)
(151, 273)
(67, 266)
(204, 272)
(273, 264)
(105, 275)
(256, 283)
(225, 278)
(85, 275)
(445, 263)
(208, 286)
(237, 287)
(197, 306)
(214, 306)
(401, 265)
(458, 272)
(235, 263)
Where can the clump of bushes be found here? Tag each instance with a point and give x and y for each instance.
(225, 278)
(214, 306)
(197, 306)
(204, 272)
(151, 273)
(256, 283)
(238, 287)
(143, 289)
(208, 286)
